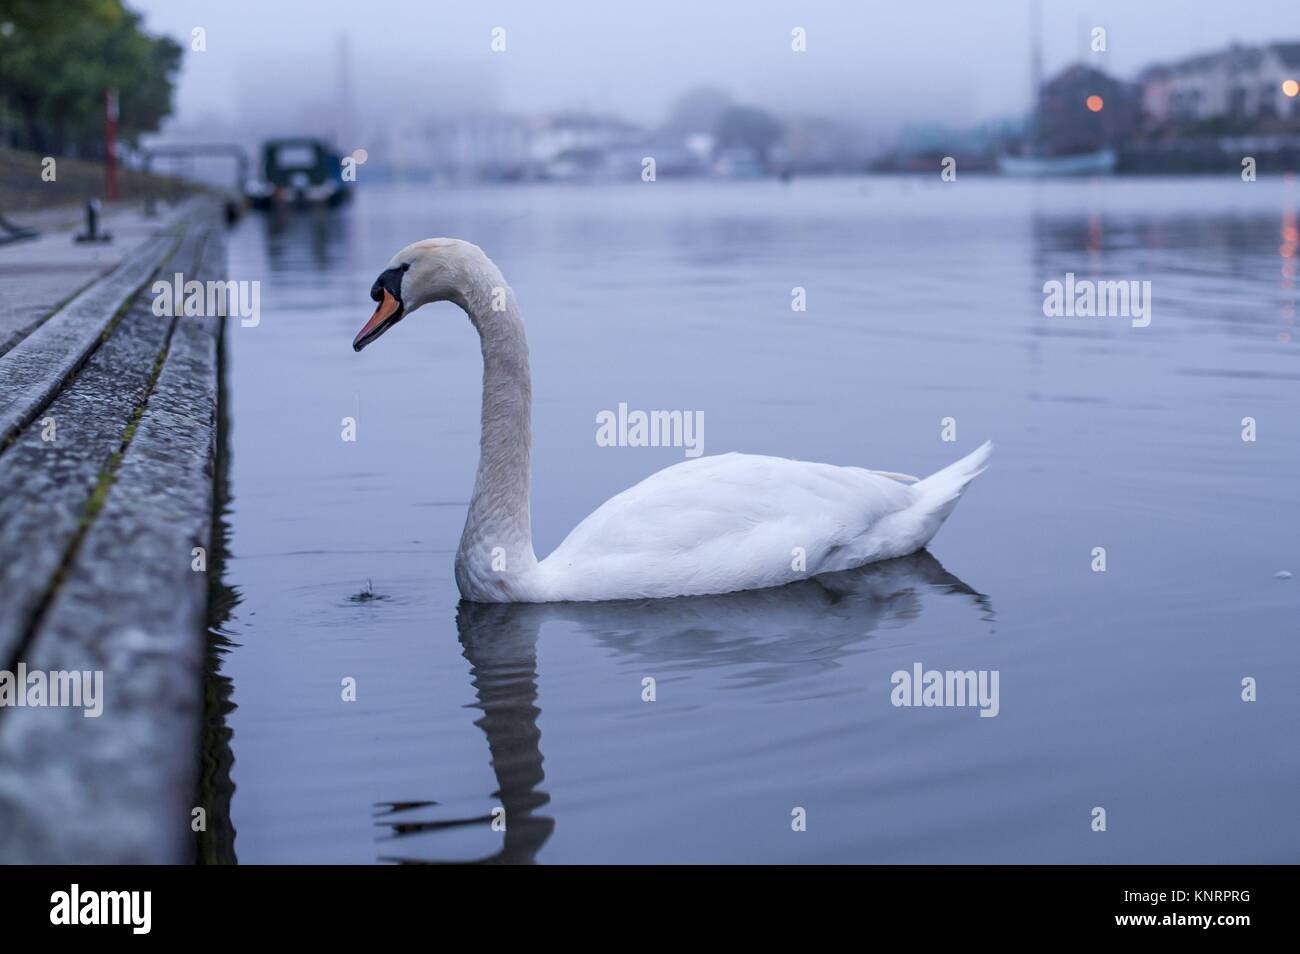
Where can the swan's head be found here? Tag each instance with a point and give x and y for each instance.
(437, 269)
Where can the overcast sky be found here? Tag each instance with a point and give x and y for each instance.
(880, 62)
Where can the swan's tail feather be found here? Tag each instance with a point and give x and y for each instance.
(937, 494)
(901, 478)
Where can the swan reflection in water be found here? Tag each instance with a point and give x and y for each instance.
(769, 636)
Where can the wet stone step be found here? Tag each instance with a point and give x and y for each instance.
(50, 472)
(35, 369)
(96, 549)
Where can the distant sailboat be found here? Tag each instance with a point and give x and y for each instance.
(1034, 162)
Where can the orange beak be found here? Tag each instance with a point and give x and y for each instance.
(386, 315)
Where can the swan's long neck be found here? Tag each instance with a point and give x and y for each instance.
(496, 548)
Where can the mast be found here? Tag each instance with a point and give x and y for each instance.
(1035, 67)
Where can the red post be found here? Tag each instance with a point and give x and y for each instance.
(110, 143)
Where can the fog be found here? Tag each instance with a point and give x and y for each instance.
(875, 64)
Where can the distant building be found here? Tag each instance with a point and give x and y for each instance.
(1082, 110)
(923, 146)
(822, 144)
(1237, 87)
(577, 145)
(473, 146)
(500, 147)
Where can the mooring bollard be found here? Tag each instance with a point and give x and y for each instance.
(92, 233)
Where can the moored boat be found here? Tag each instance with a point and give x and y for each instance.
(1099, 163)
(298, 172)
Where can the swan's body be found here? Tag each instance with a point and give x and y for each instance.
(704, 526)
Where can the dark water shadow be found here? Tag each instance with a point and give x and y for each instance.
(772, 635)
(215, 843)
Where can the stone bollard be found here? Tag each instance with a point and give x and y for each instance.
(92, 233)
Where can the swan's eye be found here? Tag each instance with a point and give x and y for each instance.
(390, 279)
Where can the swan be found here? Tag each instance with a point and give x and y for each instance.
(706, 526)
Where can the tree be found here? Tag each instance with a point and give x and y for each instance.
(57, 60)
(748, 128)
(698, 110)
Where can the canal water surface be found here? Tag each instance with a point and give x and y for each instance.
(1119, 689)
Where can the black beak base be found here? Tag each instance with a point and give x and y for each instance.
(390, 281)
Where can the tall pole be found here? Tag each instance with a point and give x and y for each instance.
(346, 134)
(1036, 47)
(1035, 64)
(110, 144)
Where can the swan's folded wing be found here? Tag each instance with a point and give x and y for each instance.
(734, 521)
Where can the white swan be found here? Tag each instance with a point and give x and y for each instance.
(705, 526)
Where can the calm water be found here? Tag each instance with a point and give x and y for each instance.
(1119, 689)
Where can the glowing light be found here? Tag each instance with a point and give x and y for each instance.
(1095, 103)
(360, 156)
(1291, 88)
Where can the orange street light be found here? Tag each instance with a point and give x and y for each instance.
(1095, 103)
(1290, 87)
